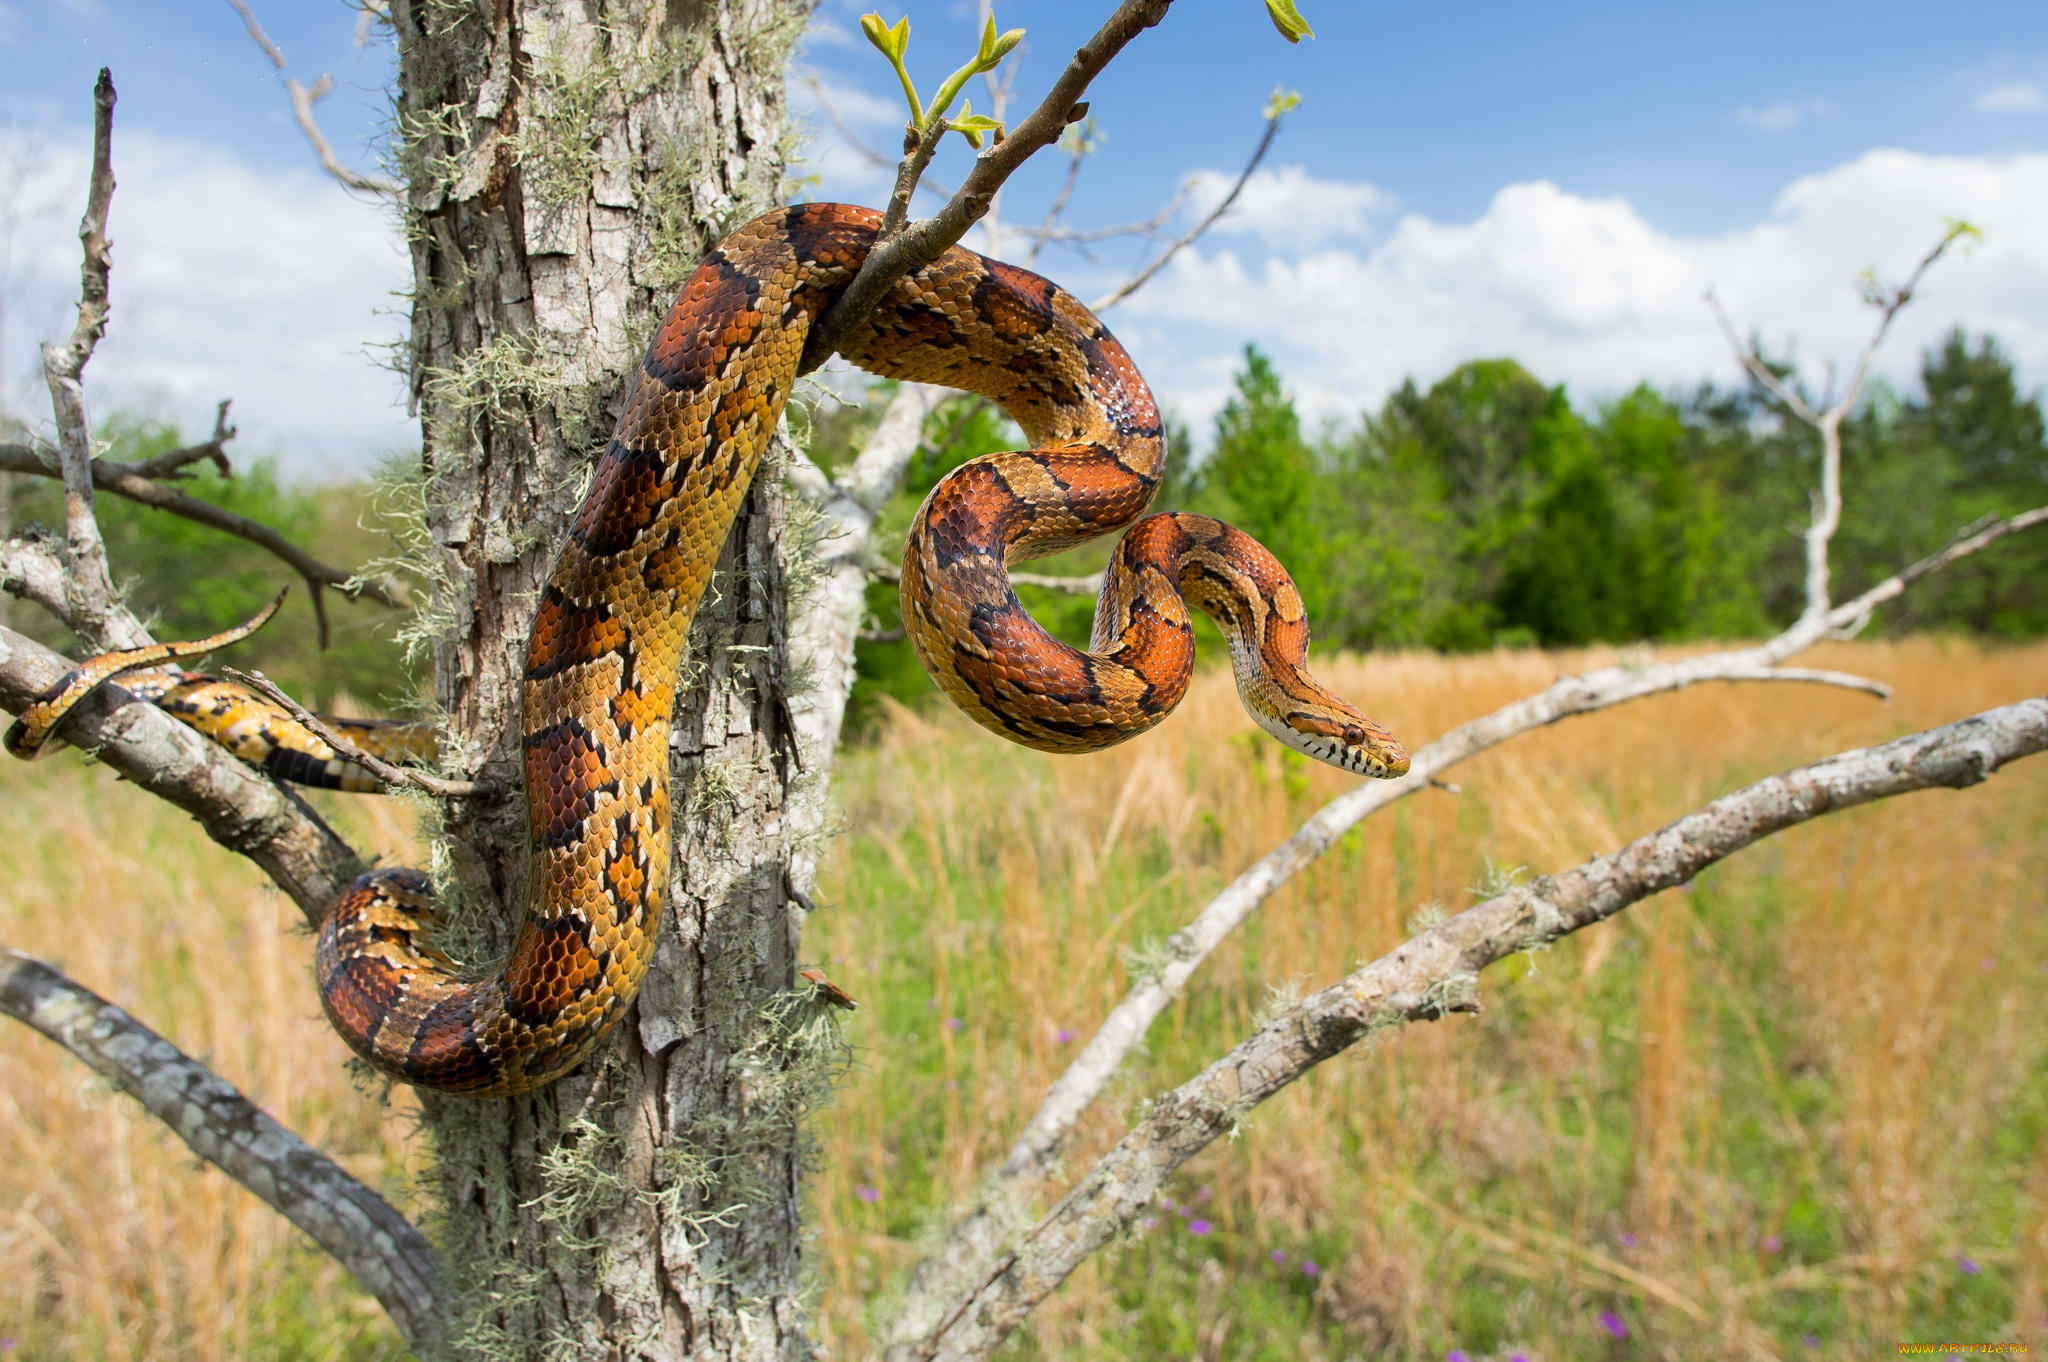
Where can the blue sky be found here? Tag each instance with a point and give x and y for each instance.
(1557, 182)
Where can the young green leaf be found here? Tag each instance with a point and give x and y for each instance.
(972, 125)
(1282, 101)
(1288, 20)
(993, 48)
(892, 42)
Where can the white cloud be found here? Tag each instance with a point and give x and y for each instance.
(228, 282)
(2016, 96)
(1586, 292)
(1782, 114)
(1288, 207)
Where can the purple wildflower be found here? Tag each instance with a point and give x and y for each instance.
(1456, 1355)
(1811, 1340)
(1203, 1195)
(1150, 1222)
(1279, 1255)
(1969, 1266)
(1518, 1357)
(1309, 1268)
(952, 1023)
(8, 1344)
(1198, 1228)
(1068, 1037)
(931, 1004)
(1772, 1243)
(868, 1194)
(1628, 1241)
(1611, 1322)
(1185, 1210)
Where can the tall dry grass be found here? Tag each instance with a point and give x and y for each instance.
(115, 1242)
(1794, 1111)
(1802, 1101)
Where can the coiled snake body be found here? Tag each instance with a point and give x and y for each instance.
(608, 641)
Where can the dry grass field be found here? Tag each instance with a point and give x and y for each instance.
(1797, 1111)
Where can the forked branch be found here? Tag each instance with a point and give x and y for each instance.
(1437, 973)
(135, 483)
(1827, 422)
(303, 101)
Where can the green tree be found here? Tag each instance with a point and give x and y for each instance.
(1262, 475)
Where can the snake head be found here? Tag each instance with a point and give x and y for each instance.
(1339, 735)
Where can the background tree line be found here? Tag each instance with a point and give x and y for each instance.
(1485, 510)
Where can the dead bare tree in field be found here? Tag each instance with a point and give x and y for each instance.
(563, 173)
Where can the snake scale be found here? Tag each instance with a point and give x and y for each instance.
(608, 640)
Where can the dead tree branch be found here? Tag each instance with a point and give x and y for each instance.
(131, 482)
(1827, 515)
(171, 467)
(95, 605)
(1188, 238)
(1437, 973)
(365, 1233)
(240, 807)
(303, 101)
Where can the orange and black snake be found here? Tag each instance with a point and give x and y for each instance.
(607, 643)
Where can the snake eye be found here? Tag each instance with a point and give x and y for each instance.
(1354, 736)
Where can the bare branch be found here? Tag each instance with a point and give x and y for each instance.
(128, 480)
(1111, 299)
(365, 1233)
(1438, 973)
(239, 806)
(1750, 360)
(31, 568)
(171, 466)
(1848, 620)
(303, 101)
(388, 772)
(95, 606)
(893, 258)
(1827, 505)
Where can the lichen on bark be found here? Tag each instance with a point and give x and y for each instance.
(566, 165)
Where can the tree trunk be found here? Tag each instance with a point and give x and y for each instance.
(567, 164)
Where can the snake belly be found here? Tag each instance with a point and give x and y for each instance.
(609, 637)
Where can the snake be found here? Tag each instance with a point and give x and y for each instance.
(609, 637)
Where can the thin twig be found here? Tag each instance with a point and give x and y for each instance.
(1437, 973)
(388, 772)
(365, 1233)
(303, 101)
(924, 242)
(1187, 238)
(126, 480)
(171, 467)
